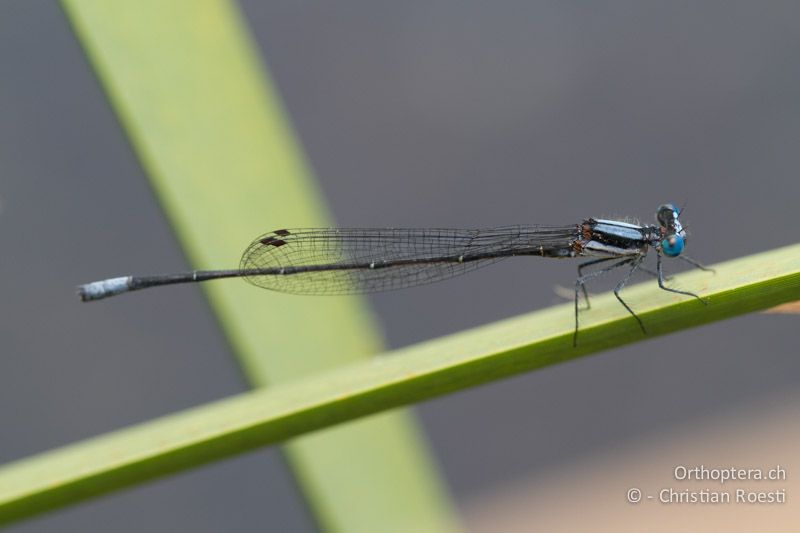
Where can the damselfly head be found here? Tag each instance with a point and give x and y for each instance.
(667, 216)
(672, 245)
(671, 228)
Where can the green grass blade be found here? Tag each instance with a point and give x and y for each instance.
(211, 135)
(398, 378)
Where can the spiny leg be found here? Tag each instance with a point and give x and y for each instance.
(653, 273)
(621, 284)
(661, 281)
(580, 275)
(697, 264)
(581, 281)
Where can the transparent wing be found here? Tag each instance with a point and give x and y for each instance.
(351, 261)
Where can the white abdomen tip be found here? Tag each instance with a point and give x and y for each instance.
(98, 290)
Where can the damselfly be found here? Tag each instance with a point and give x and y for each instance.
(332, 261)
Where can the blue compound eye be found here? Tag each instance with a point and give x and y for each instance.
(672, 245)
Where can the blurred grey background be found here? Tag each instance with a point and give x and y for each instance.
(412, 114)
